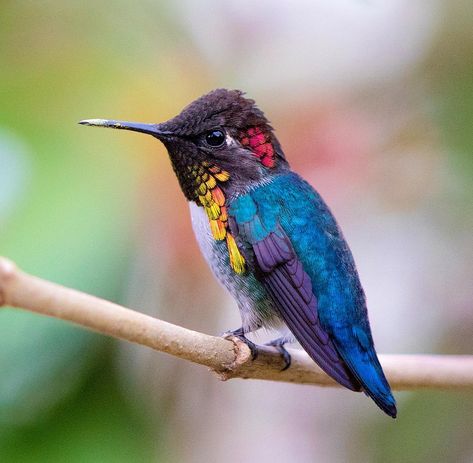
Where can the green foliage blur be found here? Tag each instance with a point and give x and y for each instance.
(75, 204)
(70, 221)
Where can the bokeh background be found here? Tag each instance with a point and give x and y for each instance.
(373, 103)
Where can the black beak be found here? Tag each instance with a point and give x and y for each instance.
(151, 129)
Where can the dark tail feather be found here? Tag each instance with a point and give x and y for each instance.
(363, 362)
(377, 387)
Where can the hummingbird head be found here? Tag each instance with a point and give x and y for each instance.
(220, 144)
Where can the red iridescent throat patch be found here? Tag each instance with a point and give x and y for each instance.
(260, 143)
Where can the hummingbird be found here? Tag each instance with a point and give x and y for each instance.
(269, 238)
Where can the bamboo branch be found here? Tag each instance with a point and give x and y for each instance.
(227, 358)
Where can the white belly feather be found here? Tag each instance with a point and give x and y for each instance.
(256, 308)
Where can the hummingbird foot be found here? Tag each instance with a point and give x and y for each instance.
(279, 345)
(240, 334)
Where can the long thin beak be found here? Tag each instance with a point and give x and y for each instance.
(151, 129)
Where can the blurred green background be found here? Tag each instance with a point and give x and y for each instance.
(373, 103)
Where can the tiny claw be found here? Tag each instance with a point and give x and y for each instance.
(251, 345)
(286, 356)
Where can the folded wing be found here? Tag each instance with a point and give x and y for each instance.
(282, 273)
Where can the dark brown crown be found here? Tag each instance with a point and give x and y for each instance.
(220, 107)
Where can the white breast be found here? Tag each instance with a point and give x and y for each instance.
(215, 252)
(201, 227)
(245, 289)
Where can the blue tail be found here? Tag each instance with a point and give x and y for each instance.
(356, 348)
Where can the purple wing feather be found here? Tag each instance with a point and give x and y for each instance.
(291, 289)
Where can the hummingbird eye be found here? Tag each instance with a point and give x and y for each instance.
(215, 138)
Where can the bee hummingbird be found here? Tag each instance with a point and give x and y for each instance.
(269, 237)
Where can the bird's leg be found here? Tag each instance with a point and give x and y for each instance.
(240, 334)
(279, 345)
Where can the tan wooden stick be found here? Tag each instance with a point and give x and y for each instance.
(228, 358)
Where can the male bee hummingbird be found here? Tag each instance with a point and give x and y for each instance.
(269, 237)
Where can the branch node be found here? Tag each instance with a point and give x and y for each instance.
(242, 356)
(21, 290)
(8, 271)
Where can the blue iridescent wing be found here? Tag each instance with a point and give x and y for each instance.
(294, 246)
(276, 264)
